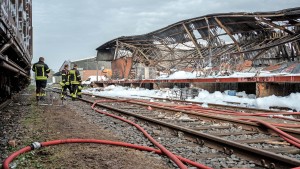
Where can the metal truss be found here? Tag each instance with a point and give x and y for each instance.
(215, 43)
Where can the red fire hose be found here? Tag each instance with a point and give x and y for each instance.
(202, 110)
(37, 145)
(292, 140)
(161, 147)
(162, 150)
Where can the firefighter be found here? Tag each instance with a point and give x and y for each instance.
(75, 80)
(41, 74)
(65, 83)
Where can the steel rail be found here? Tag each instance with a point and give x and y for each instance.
(245, 124)
(220, 105)
(5, 103)
(260, 157)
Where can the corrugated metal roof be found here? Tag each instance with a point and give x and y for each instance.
(261, 37)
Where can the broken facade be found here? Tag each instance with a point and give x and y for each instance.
(215, 44)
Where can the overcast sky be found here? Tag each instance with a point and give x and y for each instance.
(73, 29)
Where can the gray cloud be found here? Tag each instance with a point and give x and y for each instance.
(68, 29)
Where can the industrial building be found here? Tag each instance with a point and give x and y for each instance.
(87, 67)
(213, 47)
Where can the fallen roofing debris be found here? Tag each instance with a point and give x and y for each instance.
(212, 44)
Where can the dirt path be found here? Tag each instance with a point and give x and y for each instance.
(44, 123)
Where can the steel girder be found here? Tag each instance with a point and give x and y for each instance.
(215, 40)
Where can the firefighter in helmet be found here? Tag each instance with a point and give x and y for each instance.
(41, 75)
(65, 83)
(75, 80)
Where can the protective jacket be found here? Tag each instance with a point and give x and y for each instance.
(75, 77)
(65, 76)
(41, 70)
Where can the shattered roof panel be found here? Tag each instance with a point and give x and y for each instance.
(234, 18)
(262, 37)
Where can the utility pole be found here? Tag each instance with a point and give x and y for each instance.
(97, 67)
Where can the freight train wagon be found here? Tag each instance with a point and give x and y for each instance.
(15, 46)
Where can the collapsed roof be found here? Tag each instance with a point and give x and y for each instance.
(264, 38)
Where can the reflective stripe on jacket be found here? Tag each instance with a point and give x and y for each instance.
(74, 76)
(41, 70)
(65, 76)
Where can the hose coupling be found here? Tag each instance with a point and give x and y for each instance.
(35, 145)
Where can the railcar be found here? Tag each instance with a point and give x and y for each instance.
(15, 46)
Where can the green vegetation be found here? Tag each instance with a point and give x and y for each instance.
(31, 125)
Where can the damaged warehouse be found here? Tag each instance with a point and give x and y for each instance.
(216, 91)
(216, 44)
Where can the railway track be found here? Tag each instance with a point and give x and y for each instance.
(5, 103)
(223, 138)
(235, 106)
(210, 114)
